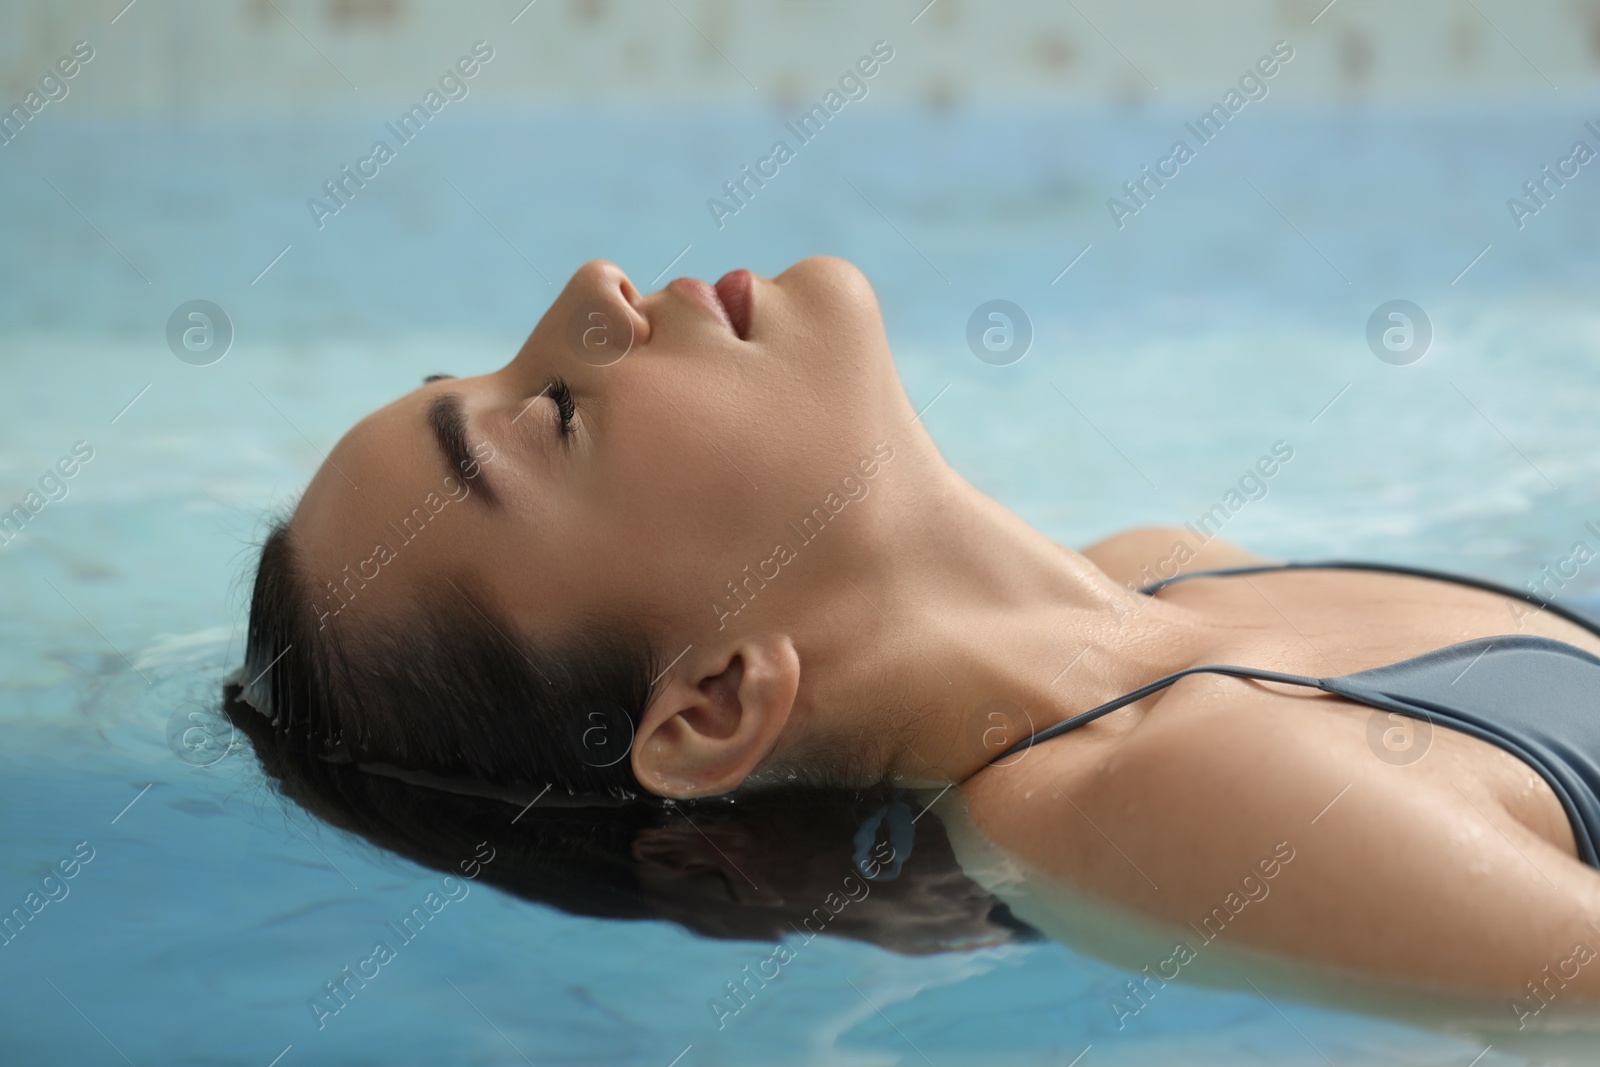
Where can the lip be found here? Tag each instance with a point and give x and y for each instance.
(736, 291)
(730, 301)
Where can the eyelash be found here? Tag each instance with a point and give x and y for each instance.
(565, 407)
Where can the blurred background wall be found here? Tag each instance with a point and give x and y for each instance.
(179, 56)
(185, 160)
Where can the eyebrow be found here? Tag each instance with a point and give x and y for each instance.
(448, 421)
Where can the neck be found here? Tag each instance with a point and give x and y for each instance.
(958, 629)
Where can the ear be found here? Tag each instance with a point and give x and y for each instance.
(714, 721)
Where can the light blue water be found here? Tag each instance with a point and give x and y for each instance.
(1223, 318)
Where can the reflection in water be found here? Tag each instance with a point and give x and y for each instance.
(787, 865)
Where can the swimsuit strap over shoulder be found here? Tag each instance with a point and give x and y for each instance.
(1535, 697)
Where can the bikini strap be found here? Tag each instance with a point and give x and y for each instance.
(1323, 684)
(1587, 622)
(1145, 690)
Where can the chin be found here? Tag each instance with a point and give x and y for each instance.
(834, 283)
(825, 267)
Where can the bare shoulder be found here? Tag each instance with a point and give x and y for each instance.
(1127, 556)
(1230, 813)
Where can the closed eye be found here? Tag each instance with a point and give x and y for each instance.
(566, 408)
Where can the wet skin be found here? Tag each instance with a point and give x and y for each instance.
(876, 648)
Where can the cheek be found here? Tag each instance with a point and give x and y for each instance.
(693, 452)
(662, 507)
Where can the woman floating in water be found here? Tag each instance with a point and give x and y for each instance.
(697, 544)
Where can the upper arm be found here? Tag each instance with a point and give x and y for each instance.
(1250, 831)
(1162, 551)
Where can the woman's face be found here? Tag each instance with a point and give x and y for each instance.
(684, 461)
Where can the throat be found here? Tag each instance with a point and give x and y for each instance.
(987, 664)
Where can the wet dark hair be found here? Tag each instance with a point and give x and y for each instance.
(439, 737)
(775, 865)
(444, 689)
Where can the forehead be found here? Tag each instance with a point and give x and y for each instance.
(380, 513)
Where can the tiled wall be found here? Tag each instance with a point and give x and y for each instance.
(186, 56)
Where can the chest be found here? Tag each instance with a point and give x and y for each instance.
(1344, 621)
(1165, 818)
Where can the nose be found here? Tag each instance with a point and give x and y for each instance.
(602, 274)
(600, 282)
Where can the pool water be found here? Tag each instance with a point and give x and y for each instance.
(1229, 315)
